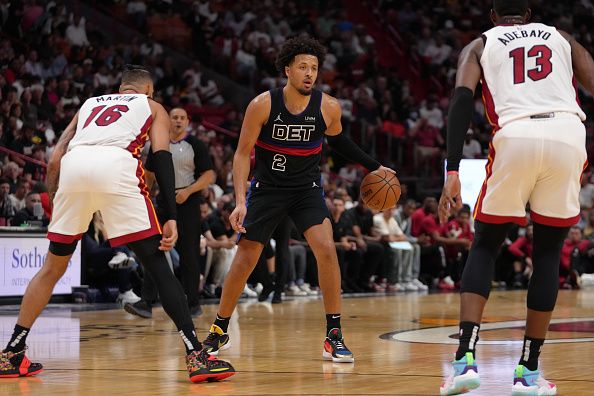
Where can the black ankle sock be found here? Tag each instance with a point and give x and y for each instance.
(332, 322)
(531, 352)
(18, 340)
(188, 335)
(468, 339)
(223, 323)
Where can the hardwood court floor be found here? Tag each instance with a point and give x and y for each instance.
(277, 349)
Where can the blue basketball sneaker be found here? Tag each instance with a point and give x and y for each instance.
(335, 349)
(464, 378)
(531, 383)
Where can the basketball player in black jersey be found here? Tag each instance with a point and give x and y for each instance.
(287, 126)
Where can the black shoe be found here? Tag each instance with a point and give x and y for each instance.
(265, 292)
(216, 340)
(141, 308)
(196, 310)
(277, 298)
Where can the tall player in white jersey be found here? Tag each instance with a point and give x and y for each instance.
(97, 163)
(536, 157)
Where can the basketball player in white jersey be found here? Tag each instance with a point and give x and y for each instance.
(536, 157)
(97, 163)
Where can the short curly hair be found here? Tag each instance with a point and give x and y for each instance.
(299, 46)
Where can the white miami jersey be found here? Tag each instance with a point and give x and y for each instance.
(114, 120)
(527, 70)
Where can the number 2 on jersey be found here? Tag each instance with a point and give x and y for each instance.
(109, 116)
(278, 162)
(543, 68)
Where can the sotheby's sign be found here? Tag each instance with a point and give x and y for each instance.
(20, 259)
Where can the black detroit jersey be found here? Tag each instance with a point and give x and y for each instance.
(289, 147)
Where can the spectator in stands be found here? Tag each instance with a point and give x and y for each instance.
(400, 252)
(522, 249)
(403, 217)
(220, 227)
(587, 191)
(472, 148)
(32, 213)
(574, 246)
(428, 143)
(430, 112)
(589, 225)
(20, 193)
(106, 265)
(456, 254)
(137, 10)
(370, 243)
(438, 51)
(36, 171)
(11, 172)
(297, 267)
(7, 210)
(425, 226)
(349, 257)
(76, 32)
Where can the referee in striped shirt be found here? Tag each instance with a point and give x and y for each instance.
(193, 172)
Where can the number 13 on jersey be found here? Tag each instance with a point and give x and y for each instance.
(543, 68)
(278, 162)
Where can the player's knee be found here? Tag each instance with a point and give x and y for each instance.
(326, 252)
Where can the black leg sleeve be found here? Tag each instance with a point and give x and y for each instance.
(480, 267)
(188, 247)
(149, 288)
(544, 283)
(171, 293)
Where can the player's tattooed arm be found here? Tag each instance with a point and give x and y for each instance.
(53, 167)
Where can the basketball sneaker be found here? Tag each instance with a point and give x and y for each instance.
(335, 349)
(216, 341)
(464, 378)
(528, 382)
(13, 365)
(204, 367)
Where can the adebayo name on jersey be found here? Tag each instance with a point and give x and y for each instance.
(509, 37)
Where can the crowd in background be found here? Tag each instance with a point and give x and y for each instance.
(52, 59)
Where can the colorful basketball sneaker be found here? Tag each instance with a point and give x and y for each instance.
(216, 340)
(464, 378)
(13, 365)
(204, 367)
(335, 349)
(528, 382)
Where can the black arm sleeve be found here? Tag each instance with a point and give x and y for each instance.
(163, 166)
(349, 149)
(458, 122)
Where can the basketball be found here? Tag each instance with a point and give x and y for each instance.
(380, 190)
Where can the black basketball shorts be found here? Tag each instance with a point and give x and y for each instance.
(268, 205)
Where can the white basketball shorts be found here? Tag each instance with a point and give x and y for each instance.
(538, 162)
(105, 179)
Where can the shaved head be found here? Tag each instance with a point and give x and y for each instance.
(137, 78)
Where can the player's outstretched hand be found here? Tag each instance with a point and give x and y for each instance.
(237, 217)
(387, 169)
(451, 200)
(169, 235)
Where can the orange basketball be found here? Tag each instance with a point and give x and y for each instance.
(380, 190)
